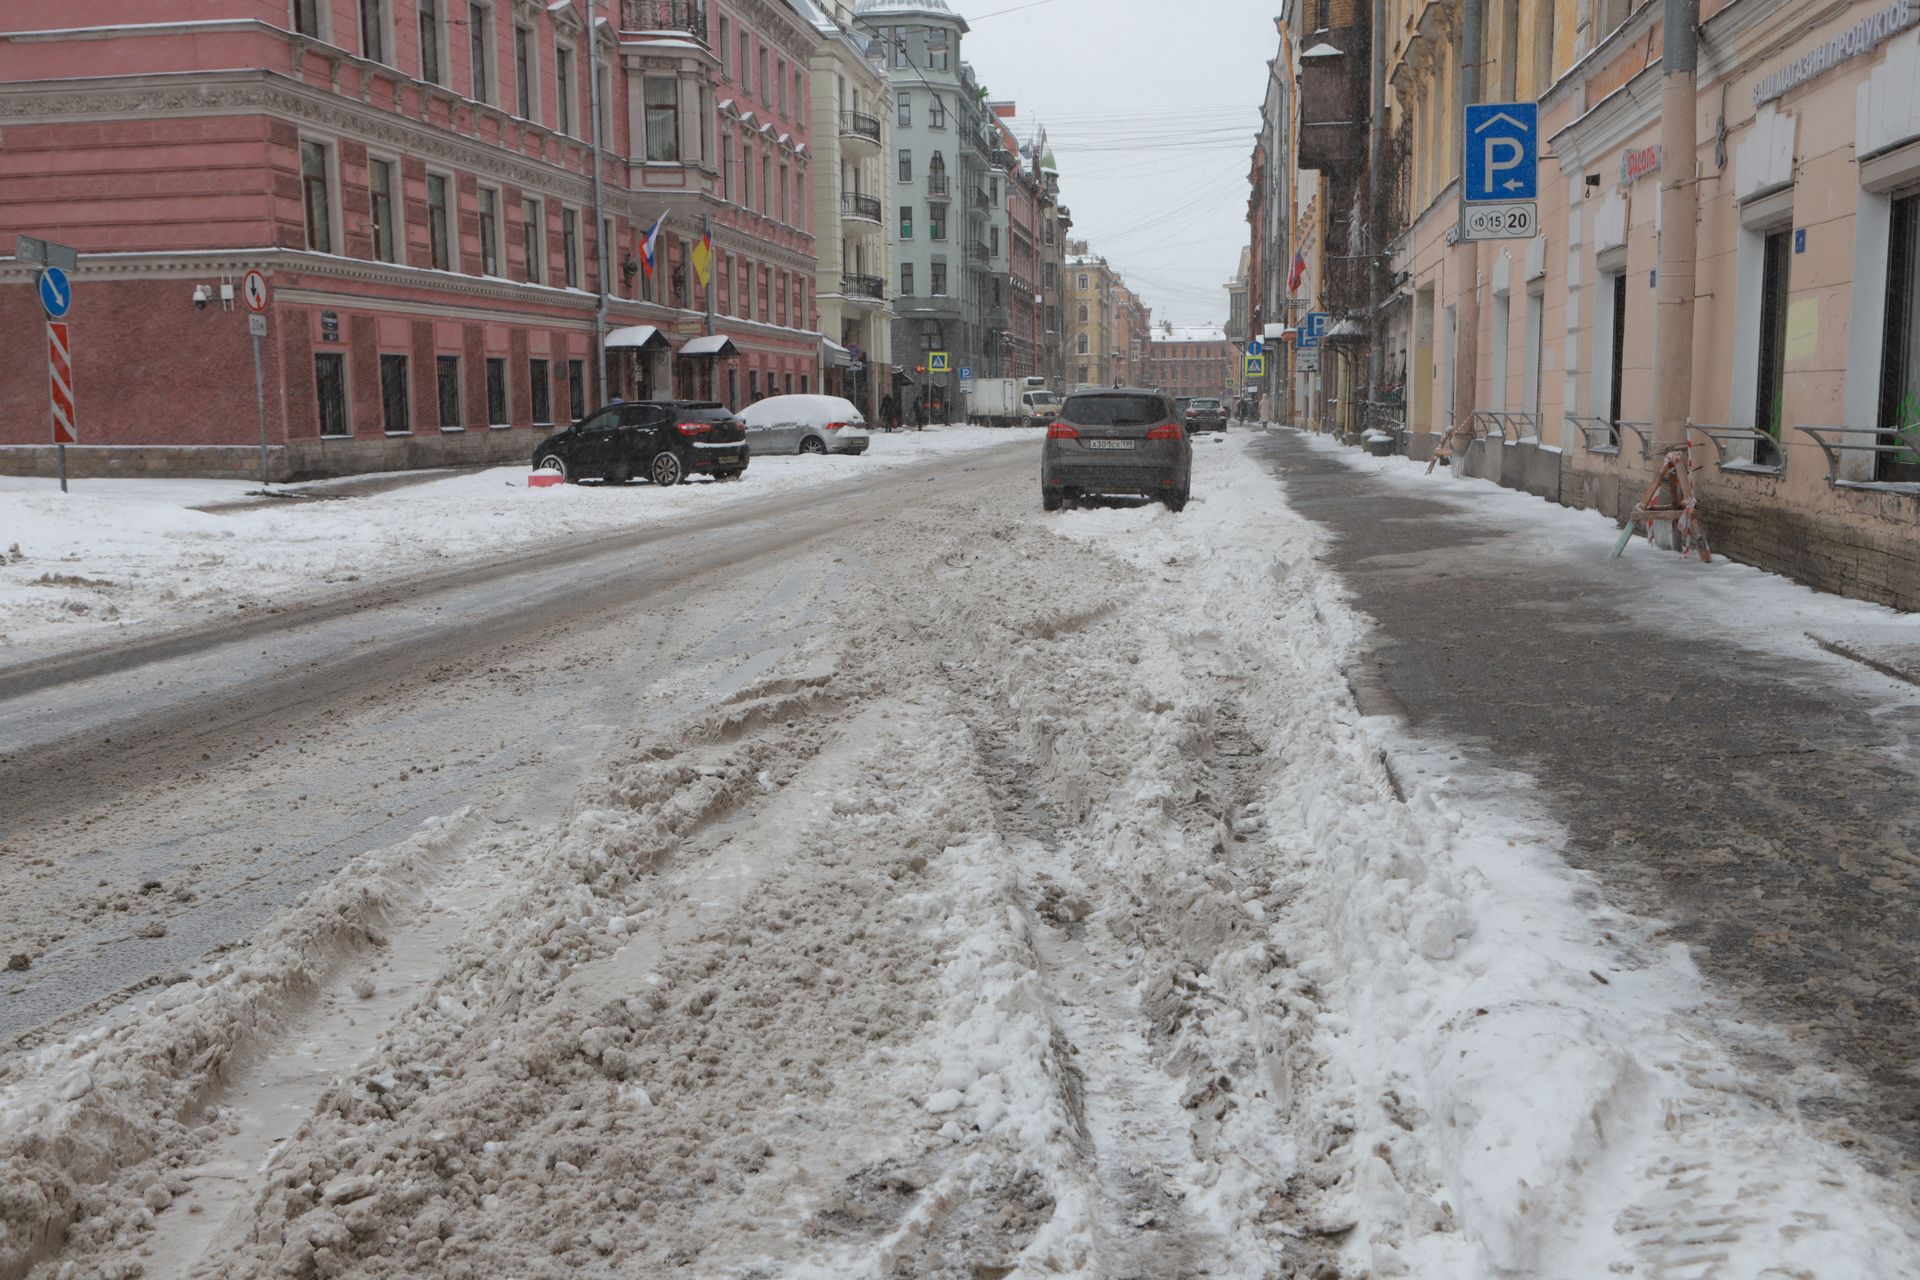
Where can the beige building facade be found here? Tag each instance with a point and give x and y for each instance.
(1540, 355)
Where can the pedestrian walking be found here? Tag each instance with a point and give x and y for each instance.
(889, 414)
(920, 413)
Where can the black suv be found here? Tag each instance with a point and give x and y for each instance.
(664, 440)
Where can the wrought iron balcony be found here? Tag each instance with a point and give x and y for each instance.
(937, 187)
(854, 205)
(858, 124)
(980, 200)
(1006, 159)
(864, 287)
(687, 16)
(977, 250)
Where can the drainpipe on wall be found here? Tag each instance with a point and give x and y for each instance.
(1679, 225)
(601, 255)
(1466, 312)
(1377, 129)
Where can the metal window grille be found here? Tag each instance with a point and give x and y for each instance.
(496, 391)
(393, 395)
(448, 368)
(538, 374)
(330, 382)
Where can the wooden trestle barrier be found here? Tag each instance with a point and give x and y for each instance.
(1671, 498)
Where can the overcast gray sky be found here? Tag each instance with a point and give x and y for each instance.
(1151, 107)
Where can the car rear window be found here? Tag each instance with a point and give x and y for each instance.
(1115, 411)
(1206, 404)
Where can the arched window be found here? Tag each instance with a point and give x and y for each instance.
(1083, 313)
(1082, 350)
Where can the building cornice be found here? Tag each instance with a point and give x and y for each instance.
(228, 93)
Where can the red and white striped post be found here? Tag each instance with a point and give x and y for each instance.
(60, 391)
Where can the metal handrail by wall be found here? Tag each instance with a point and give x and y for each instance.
(1835, 442)
(1767, 453)
(1602, 436)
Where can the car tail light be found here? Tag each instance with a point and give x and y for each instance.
(1165, 431)
(835, 426)
(1058, 430)
(694, 428)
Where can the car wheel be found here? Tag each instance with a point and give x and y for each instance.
(1052, 499)
(554, 462)
(666, 470)
(813, 444)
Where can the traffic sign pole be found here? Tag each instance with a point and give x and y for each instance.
(56, 299)
(254, 292)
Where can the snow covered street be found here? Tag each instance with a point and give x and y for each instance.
(975, 893)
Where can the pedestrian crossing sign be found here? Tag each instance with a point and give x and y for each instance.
(936, 362)
(1256, 366)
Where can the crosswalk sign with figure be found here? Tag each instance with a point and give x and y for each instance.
(1256, 366)
(936, 362)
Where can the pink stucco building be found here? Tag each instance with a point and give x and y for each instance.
(416, 180)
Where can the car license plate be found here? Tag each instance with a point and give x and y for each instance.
(1109, 444)
(726, 459)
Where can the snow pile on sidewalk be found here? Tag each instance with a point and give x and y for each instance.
(1526, 1084)
(115, 555)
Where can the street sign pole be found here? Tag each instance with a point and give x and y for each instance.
(54, 284)
(254, 292)
(258, 325)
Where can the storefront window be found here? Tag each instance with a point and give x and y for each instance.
(1900, 361)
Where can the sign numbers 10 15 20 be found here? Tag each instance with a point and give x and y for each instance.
(1516, 221)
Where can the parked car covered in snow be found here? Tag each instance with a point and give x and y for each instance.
(1123, 441)
(805, 424)
(664, 441)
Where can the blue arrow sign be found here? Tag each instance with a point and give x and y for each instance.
(1503, 151)
(56, 292)
(1254, 348)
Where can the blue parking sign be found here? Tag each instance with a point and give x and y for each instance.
(1503, 151)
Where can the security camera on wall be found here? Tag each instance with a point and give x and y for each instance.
(201, 297)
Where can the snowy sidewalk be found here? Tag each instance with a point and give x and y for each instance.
(115, 558)
(1717, 763)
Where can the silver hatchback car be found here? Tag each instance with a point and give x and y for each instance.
(1120, 441)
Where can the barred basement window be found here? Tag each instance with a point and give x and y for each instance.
(538, 373)
(497, 391)
(330, 380)
(448, 368)
(393, 395)
(577, 388)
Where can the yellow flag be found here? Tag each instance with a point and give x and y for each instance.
(703, 260)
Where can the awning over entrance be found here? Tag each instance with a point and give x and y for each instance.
(712, 345)
(639, 337)
(837, 355)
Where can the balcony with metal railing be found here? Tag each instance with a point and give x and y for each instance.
(979, 200)
(939, 187)
(870, 288)
(685, 17)
(858, 126)
(977, 250)
(861, 208)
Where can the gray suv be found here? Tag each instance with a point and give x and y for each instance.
(1123, 441)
